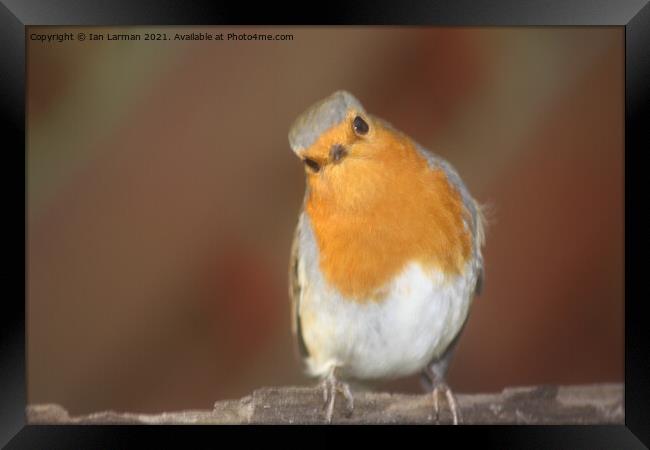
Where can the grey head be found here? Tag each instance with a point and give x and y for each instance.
(320, 117)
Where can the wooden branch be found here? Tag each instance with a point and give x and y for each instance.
(584, 404)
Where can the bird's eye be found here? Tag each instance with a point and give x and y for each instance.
(313, 165)
(360, 126)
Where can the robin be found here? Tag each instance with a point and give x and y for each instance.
(386, 257)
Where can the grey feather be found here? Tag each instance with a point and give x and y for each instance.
(295, 289)
(320, 117)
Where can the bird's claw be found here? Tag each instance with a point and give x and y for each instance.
(451, 401)
(330, 386)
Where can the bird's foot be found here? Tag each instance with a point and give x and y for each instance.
(438, 389)
(330, 386)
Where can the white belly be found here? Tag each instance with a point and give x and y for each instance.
(398, 336)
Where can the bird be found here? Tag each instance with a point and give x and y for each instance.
(386, 256)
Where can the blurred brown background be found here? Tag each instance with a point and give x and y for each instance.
(162, 198)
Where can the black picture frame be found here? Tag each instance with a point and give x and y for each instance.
(633, 15)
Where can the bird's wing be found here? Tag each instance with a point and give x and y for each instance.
(479, 238)
(295, 290)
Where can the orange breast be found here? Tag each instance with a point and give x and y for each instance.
(382, 213)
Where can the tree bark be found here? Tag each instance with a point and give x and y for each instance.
(582, 404)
